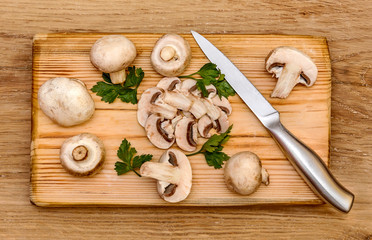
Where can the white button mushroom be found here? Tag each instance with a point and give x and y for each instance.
(290, 66)
(171, 55)
(112, 54)
(244, 173)
(66, 101)
(174, 175)
(82, 155)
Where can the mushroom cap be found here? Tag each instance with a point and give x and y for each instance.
(186, 134)
(92, 163)
(183, 188)
(169, 83)
(177, 64)
(280, 56)
(112, 53)
(160, 132)
(66, 101)
(243, 173)
(151, 102)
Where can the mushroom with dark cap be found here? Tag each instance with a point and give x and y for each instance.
(174, 175)
(82, 155)
(152, 102)
(113, 54)
(171, 55)
(244, 173)
(66, 101)
(290, 66)
(160, 132)
(187, 134)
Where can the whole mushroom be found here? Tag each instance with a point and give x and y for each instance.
(290, 66)
(66, 101)
(244, 173)
(171, 55)
(82, 155)
(174, 175)
(113, 54)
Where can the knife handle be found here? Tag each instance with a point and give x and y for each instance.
(310, 166)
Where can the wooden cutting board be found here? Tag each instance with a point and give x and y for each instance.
(306, 113)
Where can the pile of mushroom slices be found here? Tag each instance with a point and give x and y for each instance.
(175, 111)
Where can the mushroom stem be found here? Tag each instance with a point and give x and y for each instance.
(167, 53)
(80, 153)
(288, 78)
(265, 176)
(118, 77)
(161, 171)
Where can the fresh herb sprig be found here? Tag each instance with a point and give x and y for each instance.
(129, 163)
(212, 149)
(126, 92)
(210, 74)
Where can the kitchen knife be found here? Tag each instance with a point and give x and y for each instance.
(307, 163)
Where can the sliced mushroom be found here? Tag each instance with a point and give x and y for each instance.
(160, 132)
(222, 123)
(66, 101)
(174, 175)
(171, 55)
(177, 100)
(151, 102)
(169, 84)
(82, 155)
(290, 66)
(223, 104)
(187, 134)
(244, 173)
(212, 91)
(206, 126)
(198, 109)
(212, 111)
(188, 87)
(112, 54)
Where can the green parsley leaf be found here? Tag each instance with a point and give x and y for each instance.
(126, 92)
(213, 147)
(209, 72)
(128, 163)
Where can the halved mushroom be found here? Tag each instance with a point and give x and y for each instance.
(244, 173)
(82, 155)
(171, 55)
(66, 101)
(169, 83)
(160, 132)
(223, 104)
(174, 175)
(151, 102)
(290, 66)
(112, 54)
(187, 134)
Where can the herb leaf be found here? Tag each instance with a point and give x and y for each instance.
(128, 163)
(213, 147)
(126, 92)
(210, 74)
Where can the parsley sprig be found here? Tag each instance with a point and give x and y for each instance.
(126, 92)
(128, 163)
(210, 74)
(212, 149)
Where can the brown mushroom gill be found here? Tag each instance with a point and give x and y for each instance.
(172, 159)
(154, 97)
(162, 132)
(173, 84)
(218, 125)
(207, 129)
(170, 190)
(225, 109)
(190, 134)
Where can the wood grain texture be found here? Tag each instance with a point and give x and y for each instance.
(345, 23)
(306, 112)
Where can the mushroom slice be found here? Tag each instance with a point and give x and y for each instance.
(174, 175)
(66, 101)
(223, 104)
(169, 83)
(198, 109)
(222, 123)
(82, 155)
(186, 134)
(212, 91)
(171, 55)
(206, 125)
(151, 102)
(212, 111)
(160, 132)
(178, 100)
(244, 173)
(112, 54)
(290, 66)
(188, 87)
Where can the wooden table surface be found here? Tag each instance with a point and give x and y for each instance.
(347, 26)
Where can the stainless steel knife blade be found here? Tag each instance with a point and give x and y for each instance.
(307, 163)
